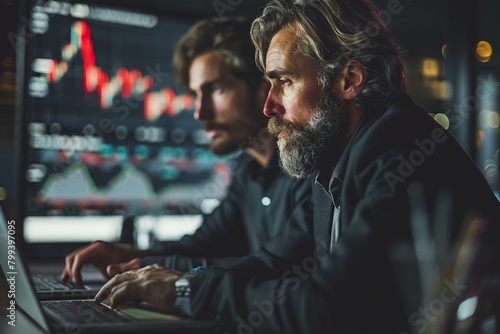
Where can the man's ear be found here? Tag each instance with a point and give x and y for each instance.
(351, 80)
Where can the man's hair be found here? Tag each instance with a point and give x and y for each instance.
(231, 38)
(330, 33)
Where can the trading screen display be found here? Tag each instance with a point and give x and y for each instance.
(107, 131)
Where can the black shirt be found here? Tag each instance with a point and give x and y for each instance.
(259, 202)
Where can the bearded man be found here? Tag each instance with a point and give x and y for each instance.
(339, 109)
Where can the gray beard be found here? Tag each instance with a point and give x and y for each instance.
(303, 151)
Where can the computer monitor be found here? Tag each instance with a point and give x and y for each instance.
(106, 132)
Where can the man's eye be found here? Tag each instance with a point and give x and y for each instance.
(284, 81)
(216, 88)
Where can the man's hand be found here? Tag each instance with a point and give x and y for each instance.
(115, 269)
(152, 284)
(100, 254)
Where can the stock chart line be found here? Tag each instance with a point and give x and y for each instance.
(75, 185)
(126, 83)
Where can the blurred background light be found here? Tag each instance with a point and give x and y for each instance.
(443, 120)
(430, 68)
(489, 119)
(467, 308)
(444, 51)
(483, 51)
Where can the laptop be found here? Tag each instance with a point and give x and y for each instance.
(49, 286)
(80, 315)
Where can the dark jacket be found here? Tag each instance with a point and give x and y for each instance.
(259, 202)
(399, 158)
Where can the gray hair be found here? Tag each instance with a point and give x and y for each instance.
(330, 33)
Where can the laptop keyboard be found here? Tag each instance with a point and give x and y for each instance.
(44, 282)
(79, 311)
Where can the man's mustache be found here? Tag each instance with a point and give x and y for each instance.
(278, 124)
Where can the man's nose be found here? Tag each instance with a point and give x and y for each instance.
(272, 107)
(203, 109)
